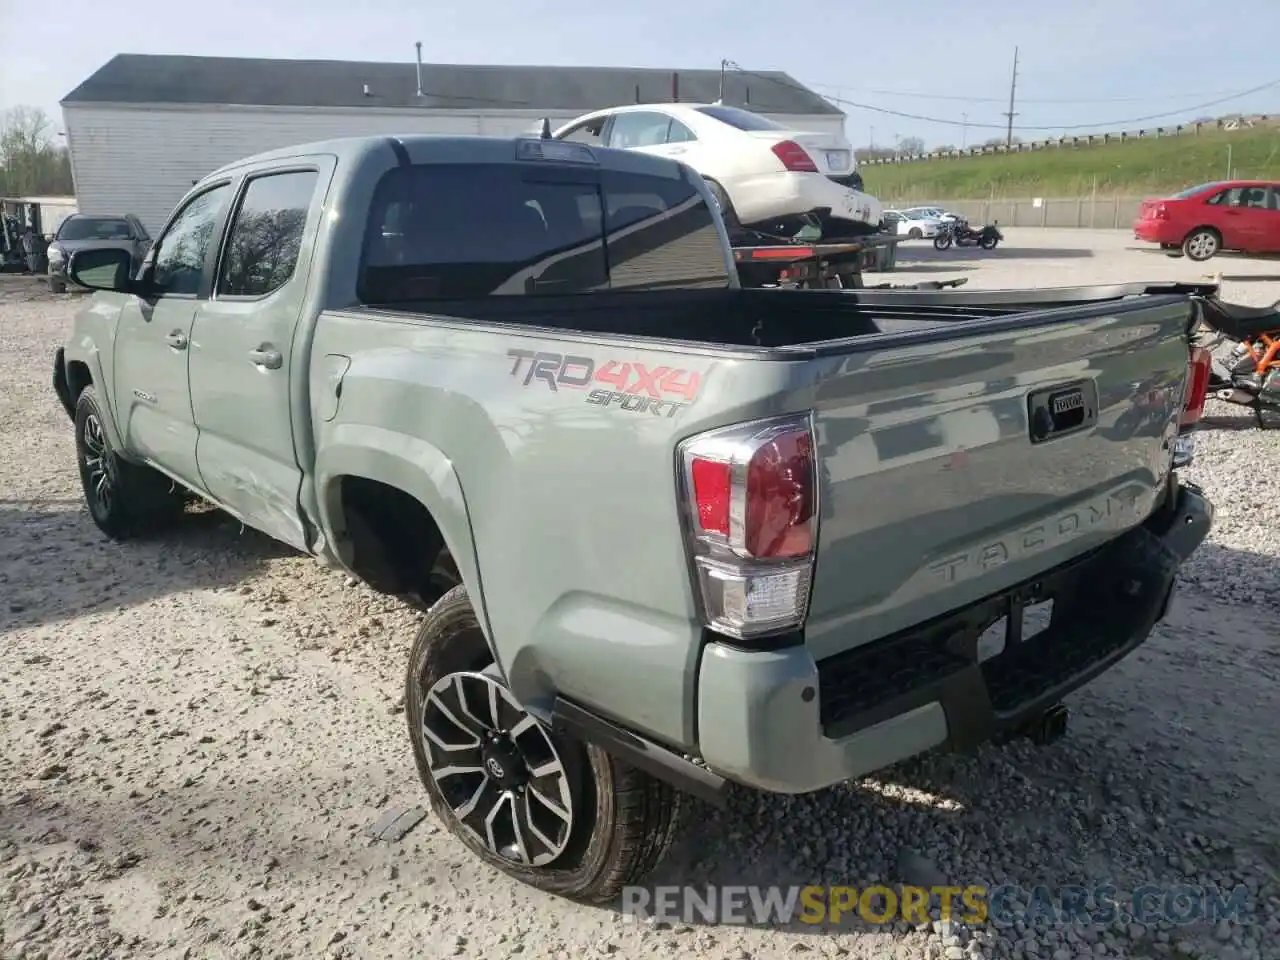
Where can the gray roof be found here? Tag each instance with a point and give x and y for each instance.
(146, 78)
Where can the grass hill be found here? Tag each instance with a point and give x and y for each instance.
(1133, 168)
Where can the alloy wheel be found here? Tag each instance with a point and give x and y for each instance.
(497, 768)
(99, 477)
(1202, 246)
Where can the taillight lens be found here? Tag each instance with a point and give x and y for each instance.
(779, 514)
(1198, 370)
(751, 493)
(794, 157)
(1161, 212)
(712, 486)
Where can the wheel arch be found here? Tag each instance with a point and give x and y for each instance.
(408, 474)
(1204, 226)
(80, 370)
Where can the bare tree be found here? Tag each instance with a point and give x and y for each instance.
(911, 146)
(30, 162)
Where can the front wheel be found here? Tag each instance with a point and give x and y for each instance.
(1201, 244)
(557, 814)
(915, 233)
(125, 500)
(942, 241)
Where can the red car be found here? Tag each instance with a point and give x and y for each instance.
(1239, 215)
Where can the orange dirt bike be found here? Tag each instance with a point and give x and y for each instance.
(1245, 345)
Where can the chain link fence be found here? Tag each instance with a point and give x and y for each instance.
(1100, 213)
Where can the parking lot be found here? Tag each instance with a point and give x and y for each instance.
(199, 730)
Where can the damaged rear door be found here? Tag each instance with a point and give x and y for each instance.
(242, 354)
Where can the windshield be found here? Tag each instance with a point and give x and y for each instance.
(445, 231)
(740, 119)
(1192, 191)
(919, 214)
(95, 228)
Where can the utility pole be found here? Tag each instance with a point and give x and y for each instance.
(725, 67)
(1013, 92)
(964, 130)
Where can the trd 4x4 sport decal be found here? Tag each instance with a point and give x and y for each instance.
(629, 386)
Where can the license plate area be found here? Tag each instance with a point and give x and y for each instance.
(1024, 620)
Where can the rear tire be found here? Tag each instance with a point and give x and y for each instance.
(1201, 244)
(608, 824)
(727, 213)
(125, 500)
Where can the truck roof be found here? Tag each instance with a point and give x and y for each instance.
(425, 147)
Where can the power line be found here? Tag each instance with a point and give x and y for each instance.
(1068, 101)
(998, 126)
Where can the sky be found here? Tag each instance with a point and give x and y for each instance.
(1084, 65)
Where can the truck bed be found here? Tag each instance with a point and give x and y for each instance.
(795, 323)
(940, 486)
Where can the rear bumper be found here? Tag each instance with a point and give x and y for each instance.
(782, 722)
(790, 194)
(1155, 231)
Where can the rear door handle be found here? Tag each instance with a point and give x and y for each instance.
(177, 340)
(267, 357)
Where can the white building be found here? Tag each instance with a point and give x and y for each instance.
(142, 128)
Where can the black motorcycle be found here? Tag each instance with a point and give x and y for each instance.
(962, 235)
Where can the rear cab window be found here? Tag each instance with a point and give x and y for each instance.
(741, 119)
(1193, 191)
(455, 231)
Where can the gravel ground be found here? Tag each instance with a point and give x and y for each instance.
(198, 730)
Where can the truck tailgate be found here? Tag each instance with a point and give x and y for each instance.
(954, 469)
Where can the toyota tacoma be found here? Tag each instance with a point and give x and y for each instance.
(668, 533)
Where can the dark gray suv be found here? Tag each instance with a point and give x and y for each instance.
(86, 232)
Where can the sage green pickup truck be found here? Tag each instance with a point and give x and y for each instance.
(669, 534)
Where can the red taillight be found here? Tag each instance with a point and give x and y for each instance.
(712, 483)
(1161, 212)
(780, 498)
(794, 157)
(752, 493)
(1198, 370)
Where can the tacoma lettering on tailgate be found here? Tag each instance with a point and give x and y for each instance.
(630, 386)
(1115, 508)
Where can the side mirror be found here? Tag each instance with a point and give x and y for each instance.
(107, 269)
